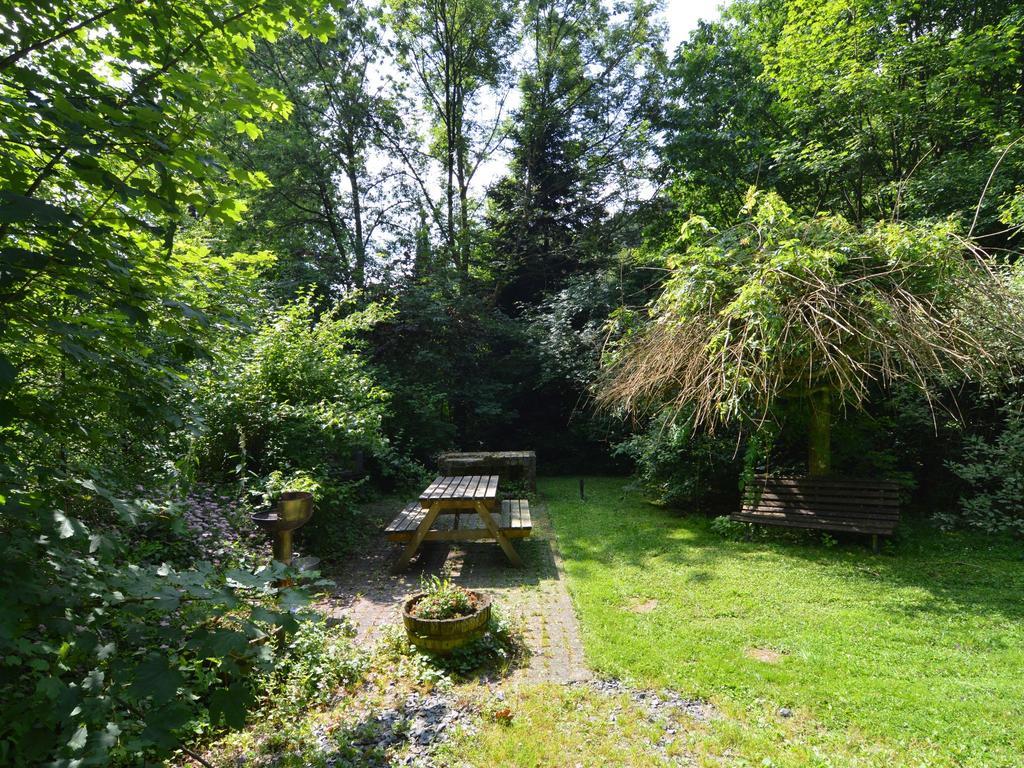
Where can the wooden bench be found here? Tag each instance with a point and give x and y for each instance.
(514, 521)
(823, 503)
(520, 465)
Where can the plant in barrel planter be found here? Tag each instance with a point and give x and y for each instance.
(444, 616)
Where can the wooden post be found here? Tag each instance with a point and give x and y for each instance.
(819, 443)
(417, 539)
(503, 542)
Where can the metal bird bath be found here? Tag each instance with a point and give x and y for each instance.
(293, 510)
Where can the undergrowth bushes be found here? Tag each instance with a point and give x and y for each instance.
(296, 405)
(992, 470)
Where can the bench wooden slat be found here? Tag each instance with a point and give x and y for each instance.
(843, 502)
(436, 488)
(810, 512)
(480, 489)
(513, 520)
(840, 526)
(831, 504)
(825, 508)
(824, 482)
(407, 519)
(839, 494)
(457, 490)
(822, 524)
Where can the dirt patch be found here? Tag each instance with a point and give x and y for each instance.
(645, 607)
(767, 655)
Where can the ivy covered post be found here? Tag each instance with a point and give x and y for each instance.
(816, 307)
(819, 432)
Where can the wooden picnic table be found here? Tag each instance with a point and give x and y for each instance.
(459, 494)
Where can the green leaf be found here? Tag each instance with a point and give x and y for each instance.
(230, 704)
(105, 651)
(155, 678)
(249, 129)
(77, 741)
(109, 736)
(7, 373)
(163, 722)
(216, 645)
(16, 208)
(67, 526)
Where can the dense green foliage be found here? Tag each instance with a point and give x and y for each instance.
(117, 635)
(877, 123)
(816, 309)
(251, 247)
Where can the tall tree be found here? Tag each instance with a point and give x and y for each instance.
(901, 107)
(872, 109)
(581, 140)
(815, 309)
(720, 118)
(332, 192)
(110, 142)
(459, 53)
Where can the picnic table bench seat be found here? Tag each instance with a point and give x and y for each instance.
(514, 521)
(823, 503)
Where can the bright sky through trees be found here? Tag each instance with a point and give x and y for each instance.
(682, 16)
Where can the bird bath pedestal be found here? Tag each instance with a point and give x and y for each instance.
(293, 510)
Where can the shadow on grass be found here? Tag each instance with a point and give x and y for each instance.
(968, 573)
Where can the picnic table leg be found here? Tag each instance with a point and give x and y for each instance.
(502, 539)
(417, 538)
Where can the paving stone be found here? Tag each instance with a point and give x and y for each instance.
(371, 596)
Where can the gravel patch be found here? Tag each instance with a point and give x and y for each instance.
(658, 704)
(404, 733)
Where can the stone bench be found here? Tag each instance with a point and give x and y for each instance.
(513, 465)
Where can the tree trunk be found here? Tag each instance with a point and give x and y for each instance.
(819, 454)
(358, 244)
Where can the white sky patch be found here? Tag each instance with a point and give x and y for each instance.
(682, 17)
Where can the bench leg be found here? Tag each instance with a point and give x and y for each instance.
(506, 545)
(417, 538)
(874, 543)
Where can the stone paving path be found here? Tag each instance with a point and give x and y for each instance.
(370, 595)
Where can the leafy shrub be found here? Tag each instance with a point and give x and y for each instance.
(443, 600)
(992, 468)
(730, 529)
(112, 654)
(681, 467)
(298, 395)
(499, 648)
(296, 407)
(318, 661)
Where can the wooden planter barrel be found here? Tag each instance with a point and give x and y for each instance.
(442, 636)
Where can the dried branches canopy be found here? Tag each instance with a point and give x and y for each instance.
(782, 306)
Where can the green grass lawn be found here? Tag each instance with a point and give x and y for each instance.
(911, 657)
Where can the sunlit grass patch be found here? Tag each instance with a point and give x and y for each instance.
(913, 656)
